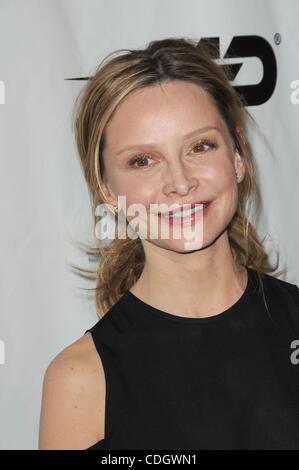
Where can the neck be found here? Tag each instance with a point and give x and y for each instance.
(202, 283)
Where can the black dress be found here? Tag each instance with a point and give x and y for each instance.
(228, 381)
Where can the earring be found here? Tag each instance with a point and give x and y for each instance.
(238, 177)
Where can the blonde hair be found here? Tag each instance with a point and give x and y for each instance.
(121, 262)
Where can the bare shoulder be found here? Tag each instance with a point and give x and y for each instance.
(73, 398)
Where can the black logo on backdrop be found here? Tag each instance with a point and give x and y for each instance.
(250, 46)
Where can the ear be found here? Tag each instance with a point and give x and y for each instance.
(241, 135)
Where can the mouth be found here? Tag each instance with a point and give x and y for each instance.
(191, 213)
(186, 209)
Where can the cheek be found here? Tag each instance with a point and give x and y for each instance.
(228, 193)
(136, 190)
(221, 179)
(221, 176)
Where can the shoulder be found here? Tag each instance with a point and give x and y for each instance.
(72, 414)
(78, 362)
(283, 299)
(279, 285)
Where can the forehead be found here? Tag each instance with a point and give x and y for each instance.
(170, 107)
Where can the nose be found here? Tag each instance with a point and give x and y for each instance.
(178, 179)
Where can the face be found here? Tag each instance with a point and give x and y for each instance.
(167, 144)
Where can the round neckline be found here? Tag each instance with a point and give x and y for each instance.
(134, 301)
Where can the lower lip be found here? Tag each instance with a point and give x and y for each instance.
(189, 220)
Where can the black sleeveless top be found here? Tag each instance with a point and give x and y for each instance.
(228, 381)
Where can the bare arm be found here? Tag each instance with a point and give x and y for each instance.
(73, 399)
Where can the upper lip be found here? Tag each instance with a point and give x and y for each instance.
(190, 205)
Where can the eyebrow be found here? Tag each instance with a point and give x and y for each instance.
(185, 137)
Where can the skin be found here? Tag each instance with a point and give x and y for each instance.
(204, 281)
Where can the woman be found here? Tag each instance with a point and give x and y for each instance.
(195, 347)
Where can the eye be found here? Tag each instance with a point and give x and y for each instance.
(205, 142)
(137, 159)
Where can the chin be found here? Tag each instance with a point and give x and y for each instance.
(180, 246)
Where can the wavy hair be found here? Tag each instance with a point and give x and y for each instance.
(120, 263)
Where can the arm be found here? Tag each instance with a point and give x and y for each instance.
(73, 399)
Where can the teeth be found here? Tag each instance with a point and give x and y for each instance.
(185, 213)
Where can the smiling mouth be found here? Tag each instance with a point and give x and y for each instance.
(185, 213)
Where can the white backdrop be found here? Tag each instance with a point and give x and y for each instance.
(44, 199)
